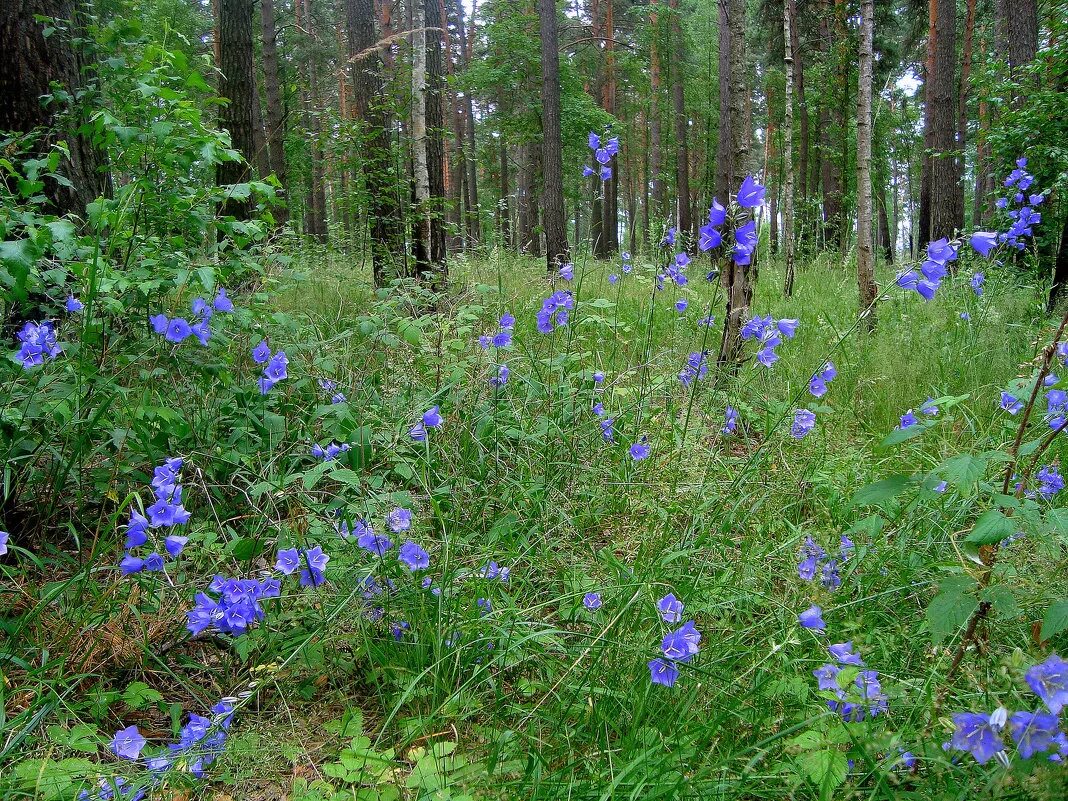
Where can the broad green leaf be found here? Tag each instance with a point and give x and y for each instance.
(1056, 619)
(826, 769)
(899, 435)
(138, 695)
(963, 470)
(881, 491)
(950, 609)
(991, 527)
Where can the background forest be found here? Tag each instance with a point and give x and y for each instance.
(518, 399)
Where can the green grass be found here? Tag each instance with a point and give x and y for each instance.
(546, 700)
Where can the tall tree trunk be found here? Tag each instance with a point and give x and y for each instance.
(527, 208)
(272, 86)
(865, 247)
(678, 97)
(659, 208)
(420, 156)
(1017, 33)
(557, 251)
(791, 68)
(830, 127)
(646, 177)
(798, 73)
(435, 122)
(723, 134)
(455, 158)
(236, 85)
(1060, 270)
(962, 108)
(941, 105)
(924, 223)
(736, 276)
(30, 63)
(610, 225)
(375, 150)
(772, 178)
(597, 186)
(471, 155)
(886, 241)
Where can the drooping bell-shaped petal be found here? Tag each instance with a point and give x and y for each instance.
(750, 194)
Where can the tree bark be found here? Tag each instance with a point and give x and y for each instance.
(830, 127)
(791, 68)
(435, 122)
(375, 150)
(962, 108)
(723, 134)
(659, 204)
(507, 240)
(557, 251)
(236, 85)
(940, 107)
(682, 151)
(736, 276)
(802, 101)
(474, 233)
(272, 86)
(865, 247)
(610, 223)
(30, 63)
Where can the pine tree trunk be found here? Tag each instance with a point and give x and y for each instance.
(420, 165)
(507, 240)
(658, 199)
(435, 122)
(597, 187)
(557, 251)
(610, 224)
(474, 233)
(886, 241)
(924, 223)
(791, 68)
(962, 107)
(272, 84)
(830, 175)
(865, 247)
(772, 178)
(736, 277)
(374, 146)
(30, 63)
(236, 85)
(798, 73)
(941, 107)
(455, 158)
(723, 134)
(682, 151)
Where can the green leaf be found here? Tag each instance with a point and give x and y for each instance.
(963, 470)
(951, 608)
(1056, 619)
(138, 695)
(991, 527)
(899, 435)
(826, 769)
(881, 491)
(246, 548)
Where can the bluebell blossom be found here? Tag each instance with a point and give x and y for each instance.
(1034, 732)
(554, 311)
(261, 353)
(908, 419)
(128, 743)
(376, 544)
(663, 672)
(587, 171)
(159, 323)
(669, 238)
(707, 322)
(73, 305)
(222, 303)
(38, 344)
(432, 417)
(804, 422)
(717, 213)
(750, 193)
(1049, 681)
(983, 242)
(607, 430)
(313, 573)
(1050, 481)
(567, 271)
(412, 556)
(330, 452)
(975, 734)
(501, 379)
(640, 450)
(4, 539)
(843, 654)
(681, 304)
(613, 278)
(605, 173)
(696, 368)
(812, 618)
(730, 420)
(1010, 404)
(484, 606)
(399, 519)
(745, 239)
(592, 601)
(177, 330)
(670, 608)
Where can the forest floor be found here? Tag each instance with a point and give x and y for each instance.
(517, 685)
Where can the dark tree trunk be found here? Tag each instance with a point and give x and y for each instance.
(455, 158)
(30, 63)
(272, 89)
(375, 151)
(659, 208)
(830, 128)
(802, 102)
(941, 106)
(1060, 269)
(557, 251)
(1017, 33)
(237, 86)
(886, 241)
(723, 134)
(682, 151)
(435, 122)
(610, 221)
(470, 154)
(736, 276)
(962, 108)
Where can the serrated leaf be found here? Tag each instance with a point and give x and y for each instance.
(899, 435)
(962, 470)
(881, 491)
(826, 769)
(1056, 619)
(951, 608)
(138, 695)
(991, 527)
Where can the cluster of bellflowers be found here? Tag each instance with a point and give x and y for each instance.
(730, 421)
(941, 253)
(607, 423)
(769, 332)
(626, 266)
(677, 647)
(675, 270)
(857, 691)
(330, 452)
(329, 386)
(1033, 732)
(750, 195)
(178, 329)
(431, 419)
(200, 742)
(927, 408)
(166, 513)
(237, 607)
(275, 366)
(503, 337)
(817, 385)
(696, 368)
(555, 311)
(37, 344)
(815, 561)
(602, 154)
(399, 520)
